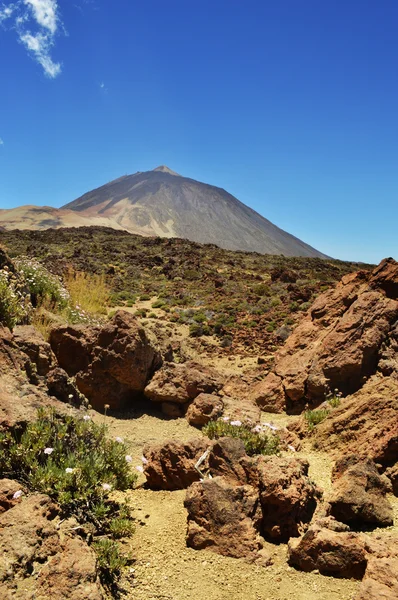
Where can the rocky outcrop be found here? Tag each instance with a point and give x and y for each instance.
(359, 493)
(366, 423)
(204, 408)
(224, 518)
(331, 548)
(288, 497)
(392, 474)
(32, 343)
(171, 466)
(269, 394)
(112, 364)
(339, 344)
(31, 542)
(182, 383)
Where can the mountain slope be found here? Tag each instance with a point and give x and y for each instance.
(163, 203)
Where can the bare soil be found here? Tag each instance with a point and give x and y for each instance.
(165, 569)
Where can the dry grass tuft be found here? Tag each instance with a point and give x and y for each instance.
(89, 292)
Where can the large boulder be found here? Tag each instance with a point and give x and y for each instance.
(365, 423)
(171, 466)
(31, 541)
(288, 497)
(204, 408)
(380, 581)
(359, 493)
(269, 394)
(182, 382)
(339, 344)
(329, 547)
(32, 343)
(112, 364)
(223, 518)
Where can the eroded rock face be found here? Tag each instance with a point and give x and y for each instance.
(223, 518)
(30, 542)
(32, 343)
(204, 408)
(331, 548)
(366, 423)
(339, 344)
(171, 466)
(359, 493)
(182, 383)
(112, 364)
(380, 581)
(392, 474)
(269, 394)
(288, 497)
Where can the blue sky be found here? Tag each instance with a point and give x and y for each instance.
(289, 105)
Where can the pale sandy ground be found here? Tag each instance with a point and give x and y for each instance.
(165, 569)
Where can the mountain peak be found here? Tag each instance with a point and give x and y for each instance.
(164, 169)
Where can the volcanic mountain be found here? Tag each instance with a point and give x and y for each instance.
(165, 204)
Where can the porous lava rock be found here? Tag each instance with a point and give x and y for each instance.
(60, 385)
(182, 382)
(204, 408)
(380, 581)
(31, 542)
(339, 343)
(227, 458)
(32, 343)
(359, 493)
(112, 364)
(8, 487)
(269, 394)
(331, 548)
(365, 423)
(392, 474)
(171, 466)
(287, 495)
(224, 518)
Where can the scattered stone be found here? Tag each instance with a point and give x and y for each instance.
(331, 548)
(269, 394)
(288, 497)
(171, 466)
(359, 493)
(112, 364)
(32, 343)
(223, 518)
(182, 383)
(204, 408)
(30, 544)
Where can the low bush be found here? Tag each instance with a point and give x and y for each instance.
(255, 440)
(73, 461)
(314, 417)
(13, 308)
(43, 286)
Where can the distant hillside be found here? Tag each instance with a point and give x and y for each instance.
(165, 204)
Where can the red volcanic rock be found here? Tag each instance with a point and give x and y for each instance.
(341, 341)
(171, 466)
(223, 518)
(182, 383)
(288, 497)
(32, 343)
(112, 364)
(66, 567)
(365, 423)
(359, 493)
(331, 548)
(204, 408)
(269, 394)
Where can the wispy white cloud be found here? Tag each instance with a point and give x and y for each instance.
(1, 142)
(36, 23)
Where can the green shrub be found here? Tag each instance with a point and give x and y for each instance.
(110, 560)
(73, 461)
(12, 305)
(314, 417)
(44, 288)
(254, 439)
(145, 297)
(159, 303)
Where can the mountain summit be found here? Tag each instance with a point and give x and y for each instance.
(165, 204)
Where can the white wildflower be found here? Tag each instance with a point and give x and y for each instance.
(128, 458)
(17, 494)
(144, 460)
(106, 486)
(69, 470)
(119, 440)
(139, 468)
(236, 423)
(86, 418)
(48, 451)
